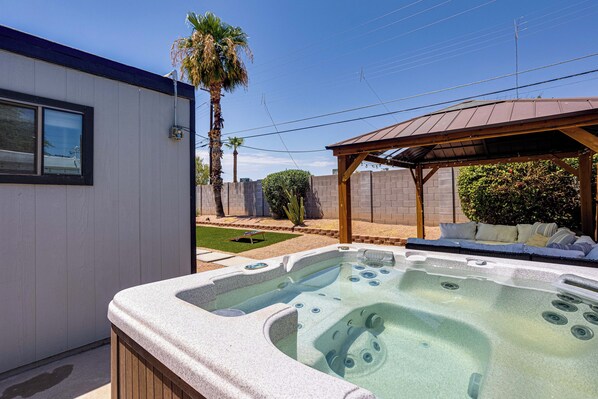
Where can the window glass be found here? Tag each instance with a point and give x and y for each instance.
(17, 139)
(62, 142)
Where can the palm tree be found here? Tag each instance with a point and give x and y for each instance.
(211, 59)
(234, 142)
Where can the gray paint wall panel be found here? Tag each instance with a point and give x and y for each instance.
(66, 250)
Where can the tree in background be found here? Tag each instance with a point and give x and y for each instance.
(234, 142)
(276, 184)
(211, 58)
(202, 172)
(520, 193)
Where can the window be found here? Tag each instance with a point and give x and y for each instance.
(44, 141)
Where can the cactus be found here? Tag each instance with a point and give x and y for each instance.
(294, 210)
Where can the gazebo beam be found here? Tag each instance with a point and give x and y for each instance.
(582, 136)
(564, 165)
(345, 234)
(419, 202)
(486, 161)
(585, 193)
(355, 162)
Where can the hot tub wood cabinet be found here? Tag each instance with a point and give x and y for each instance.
(361, 322)
(137, 374)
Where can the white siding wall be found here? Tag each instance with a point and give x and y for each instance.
(66, 250)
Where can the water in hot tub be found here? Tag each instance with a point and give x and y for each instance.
(411, 334)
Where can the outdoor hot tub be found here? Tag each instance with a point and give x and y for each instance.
(361, 321)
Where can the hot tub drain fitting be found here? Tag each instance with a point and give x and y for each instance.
(564, 306)
(447, 285)
(554, 318)
(569, 298)
(582, 332)
(591, 317)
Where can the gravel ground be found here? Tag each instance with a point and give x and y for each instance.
(359, 227)
(303, 243)
(205, 266)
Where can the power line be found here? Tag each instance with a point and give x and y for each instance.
(417, 95)
(285, 151)
(560, 10)
(279, 136)
(421, 106)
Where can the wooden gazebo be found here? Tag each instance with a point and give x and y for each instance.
(474, 133)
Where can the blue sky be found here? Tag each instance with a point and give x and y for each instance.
(308, 58)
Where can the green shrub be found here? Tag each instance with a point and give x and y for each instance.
(294, 210)
(520, 193)
(275, 184)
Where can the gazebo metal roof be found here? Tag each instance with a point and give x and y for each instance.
(479, 132)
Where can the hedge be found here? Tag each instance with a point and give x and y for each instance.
(275, 184)
(520, 193)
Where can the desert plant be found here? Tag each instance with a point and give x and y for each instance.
(294, 210)
(275, 184)
(210, 58)
(520, 193)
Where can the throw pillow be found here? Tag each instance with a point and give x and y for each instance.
(524, 232)
(496, 232)
(564, 236)
(586, 239)
(462, 231)
(546, 229)
(537, 240)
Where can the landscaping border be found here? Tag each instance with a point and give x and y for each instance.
(365, 239)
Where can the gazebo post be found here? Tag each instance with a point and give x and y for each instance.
(345, 235)
(585, 193)
(419, 201)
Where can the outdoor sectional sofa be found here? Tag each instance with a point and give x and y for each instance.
(514, 242)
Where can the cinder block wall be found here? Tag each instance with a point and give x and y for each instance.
(379, 197)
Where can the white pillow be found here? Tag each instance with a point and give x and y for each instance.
(546, 229)
(461, 231)
(496, 232)
(524, 232)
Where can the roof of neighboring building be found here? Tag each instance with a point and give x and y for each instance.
(31, 46)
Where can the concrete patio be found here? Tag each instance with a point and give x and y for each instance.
(84, 375)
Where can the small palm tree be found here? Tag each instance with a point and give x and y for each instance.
(234, 142)
(211, 58)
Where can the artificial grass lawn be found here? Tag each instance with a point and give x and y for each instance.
(219, 238)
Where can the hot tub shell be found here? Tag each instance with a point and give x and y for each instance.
(163, 339)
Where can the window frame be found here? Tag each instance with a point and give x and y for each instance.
(41, 103)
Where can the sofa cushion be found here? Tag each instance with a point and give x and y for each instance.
(593, 255)
(524, 232)
(564, 237)
(508, 248)
(582, 246)
(537, 240)
(458, 230)
(546, 229)
(554, 252)
(496, 232)
(434, 243)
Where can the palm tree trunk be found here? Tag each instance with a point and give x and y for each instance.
(235, 165)
(216, 176)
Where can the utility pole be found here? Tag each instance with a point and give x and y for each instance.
(516, 25)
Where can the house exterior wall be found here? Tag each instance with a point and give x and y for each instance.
(379, 197)
(66, 250)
